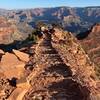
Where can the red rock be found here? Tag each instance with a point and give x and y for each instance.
(17, 72)
(2, 52)
(91, 45)
(11, 66)
(9, 61)
(96, 28)
(21, 55)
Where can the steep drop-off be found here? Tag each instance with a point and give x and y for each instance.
(91, 44)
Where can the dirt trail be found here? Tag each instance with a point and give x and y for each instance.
(51, 78)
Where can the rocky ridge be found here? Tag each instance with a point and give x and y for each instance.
(62, 70)
(58, 69)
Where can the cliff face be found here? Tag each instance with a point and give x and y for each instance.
(19, 23)
(9, 31)
(72, 19)
(5, 30)
(91, 44)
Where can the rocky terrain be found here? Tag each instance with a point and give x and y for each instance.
(57, 69)
(91, 43)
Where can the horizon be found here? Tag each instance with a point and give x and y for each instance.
(31, 4)
(47, 7)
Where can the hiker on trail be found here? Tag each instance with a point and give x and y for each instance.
(44, 29)
(47, 31)
(51, 29)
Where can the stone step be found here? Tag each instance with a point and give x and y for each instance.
(50, 51)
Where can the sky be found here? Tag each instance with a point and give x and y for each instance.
(23, 4)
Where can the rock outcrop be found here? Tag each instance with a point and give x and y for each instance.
(11, 66)
(2, 52)
(22, 56)
(96, 28)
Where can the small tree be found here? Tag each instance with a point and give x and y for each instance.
(32, 36)
(57, 25)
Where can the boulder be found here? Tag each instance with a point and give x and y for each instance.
(9, 60)
(21, 55)
(1, 52)
(17, 72)
(11, 66)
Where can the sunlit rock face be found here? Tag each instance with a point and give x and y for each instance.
(8, 31)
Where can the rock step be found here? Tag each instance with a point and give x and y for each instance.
(60, 69)
(20, 91)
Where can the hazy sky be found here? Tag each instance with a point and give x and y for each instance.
(15, 4)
